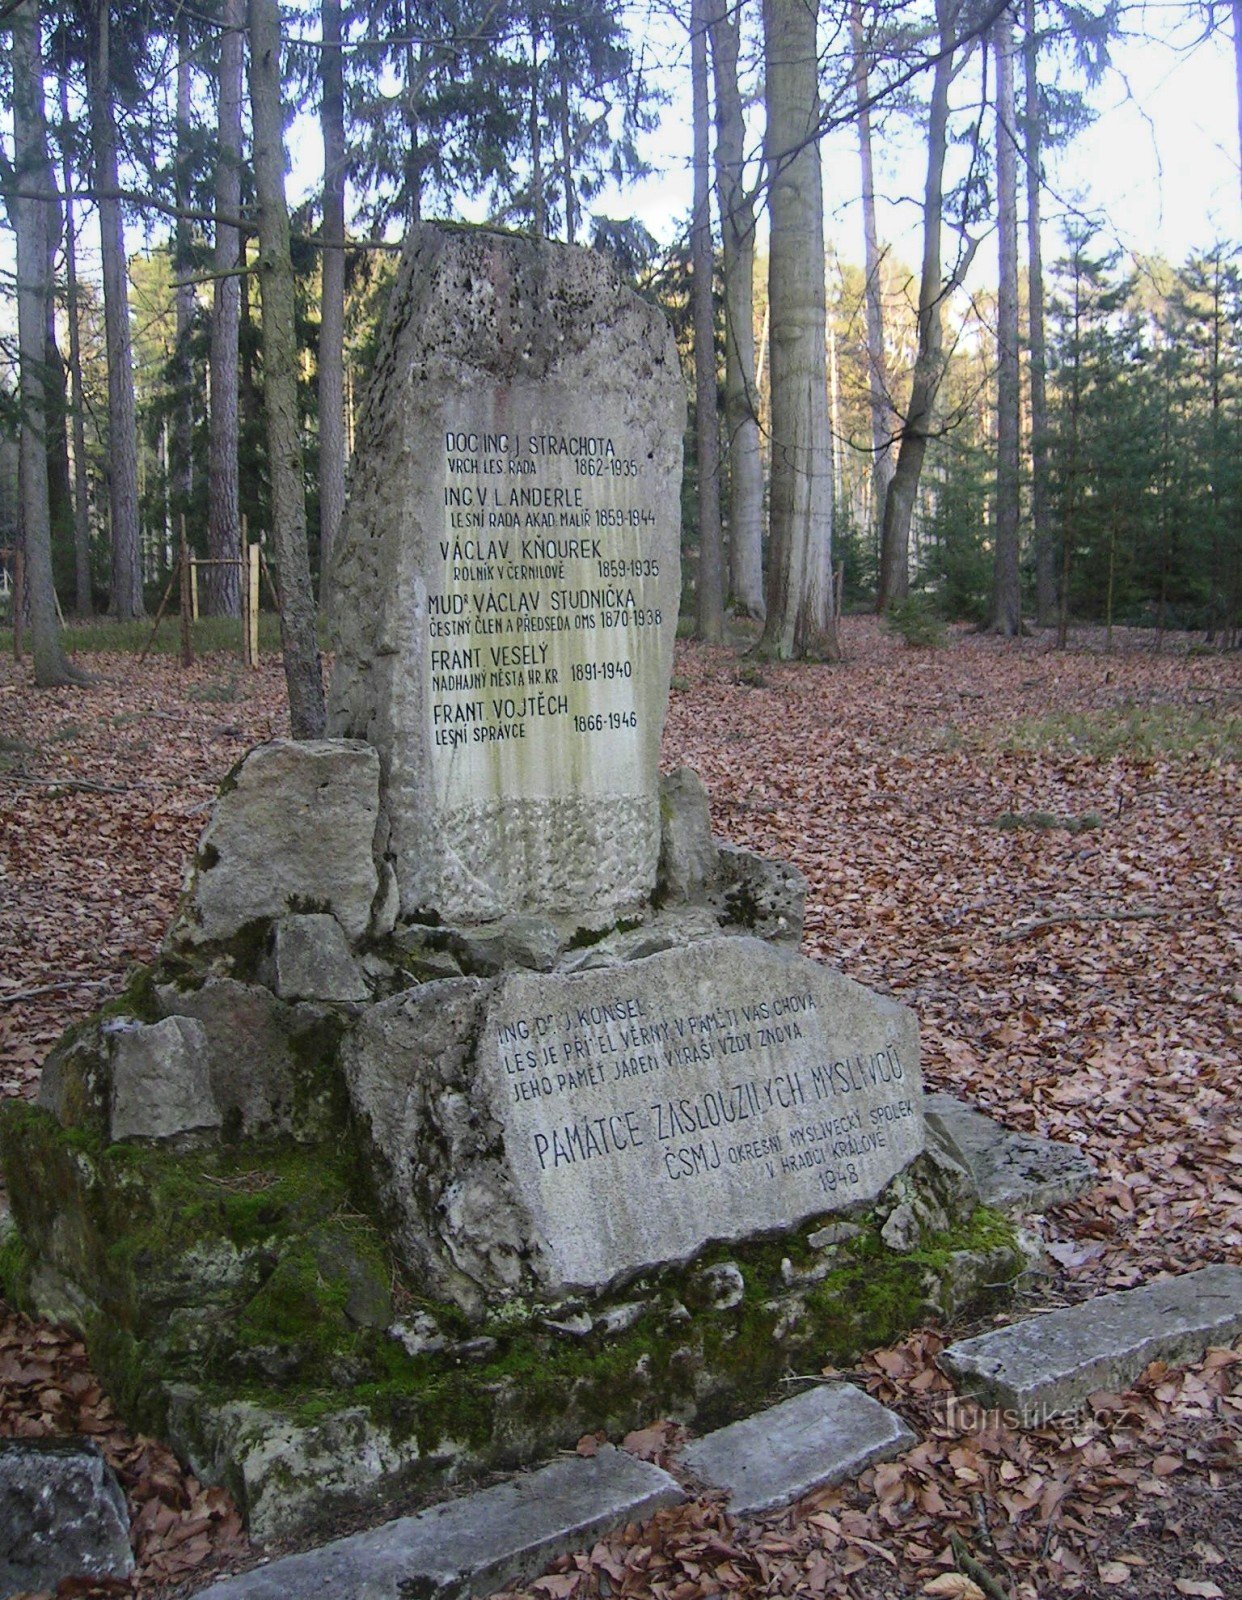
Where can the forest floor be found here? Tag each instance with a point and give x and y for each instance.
(1038, 850)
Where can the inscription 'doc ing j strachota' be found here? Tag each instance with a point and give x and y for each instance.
(788, 1091)
(546, 590)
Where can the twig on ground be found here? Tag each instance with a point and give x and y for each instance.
(12, 998)
(1024, 930)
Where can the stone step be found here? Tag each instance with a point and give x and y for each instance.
(818, 1437)
(1049, 1364)
(1012, 1171)
(472, 1545)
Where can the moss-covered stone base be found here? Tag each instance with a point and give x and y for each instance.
(243, 1303)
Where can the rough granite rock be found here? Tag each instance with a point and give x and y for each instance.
(505, 590)
(160, 1082)
(311, 960)
(688, 853)
(293, 830)
(62, 1515)
(1012, 1171)
(768, 898)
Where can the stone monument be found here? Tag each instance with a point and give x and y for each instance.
(479, 1098)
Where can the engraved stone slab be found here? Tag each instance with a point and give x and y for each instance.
(714, 1092)
(505, 591)
(822, 1436)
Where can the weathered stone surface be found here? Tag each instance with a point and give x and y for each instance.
(1012, 1171)
(160, 1084)
(506, 587)
(1050, 1364)
(474, 1544)
(688, 853)
(260, 1055)
(293, 830)
(666, 930)
(62, 1514)
(766, 897)
(311, 960)
(75, 1083)
(822, 1436)
(514, 941)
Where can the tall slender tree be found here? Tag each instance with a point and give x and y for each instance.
(332, 293)
(303, 670)
(1045, 551)
(800, 620)
(223, 589)
(1006, 614)
(84, 603)
(710, 594)
(737, 229)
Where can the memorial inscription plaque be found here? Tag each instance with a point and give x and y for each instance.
(716, 1092)
(507, 585)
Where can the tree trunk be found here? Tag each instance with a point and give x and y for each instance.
(126, 600)
(222, 591)
(183, 265)
(84, 603)
(894, 564)
(737, 228)
(538, 217)
(303, 672)
(933, 291)
(1045, 549)
(1006, 616)
(568, 186)
(1237, 66)
(332, 307)
(800, 619)
(710, 591)
(35, 226)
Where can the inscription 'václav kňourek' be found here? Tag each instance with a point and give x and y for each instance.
(713, 1092)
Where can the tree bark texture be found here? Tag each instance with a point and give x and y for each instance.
(894, 572)
(1006, 617)
(800, 620)
(34, 224)
(182, 487)
(332, 305)
(84, 602)
(737, 228)
(303, 671)
(127, 601)
(709, 611)
(933, 290)
(1045, 548)
(222, 590)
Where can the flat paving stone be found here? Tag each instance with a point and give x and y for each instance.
(818, 1437)
(1050, 1364)
(472, 1545)
(1012, 1171)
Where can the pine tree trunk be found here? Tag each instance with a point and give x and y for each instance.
(800, 620)
(183, 266)
(1006, 616)
(737, 227)
(1045, 548)
(710, 591)
(34, 225)
(303, 672)
(222, 590)
(894, 565)
(332, 306)
(84, 603)
(933, 291)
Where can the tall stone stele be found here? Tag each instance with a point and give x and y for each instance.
(505, 594)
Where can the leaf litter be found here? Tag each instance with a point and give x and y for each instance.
(1078, 981)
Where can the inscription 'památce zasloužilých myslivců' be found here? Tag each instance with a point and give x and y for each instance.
(656, 1125)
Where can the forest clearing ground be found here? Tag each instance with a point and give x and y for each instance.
(1037, 850)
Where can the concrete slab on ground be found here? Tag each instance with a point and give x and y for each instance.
(1012, 1171)
(472, 1545)
(818, 1437)
(1049, 1364)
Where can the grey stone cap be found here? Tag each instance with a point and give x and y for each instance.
(1012, 1171)
(821, 1436)
(1050, 1364)
(471, 1545)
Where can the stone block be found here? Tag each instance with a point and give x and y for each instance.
(506, 586)
(62, 1515)
(822, 1436)
(766, 898)
(311, 960)
(161, 1085)
(1011, 1171)
(293, 830)
(688, 853)
(472, 1545)
(1048, 1365)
